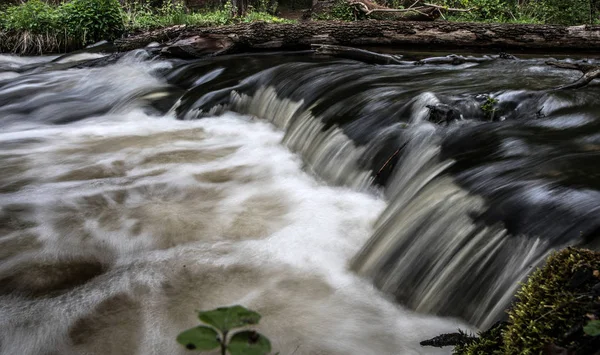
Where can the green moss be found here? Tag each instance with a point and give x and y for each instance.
(487, 343)
(548, 306)
(551, 309)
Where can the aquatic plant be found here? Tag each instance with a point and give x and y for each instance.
(488, 107)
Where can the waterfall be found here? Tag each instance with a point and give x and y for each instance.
(377, 204)
(442, 246)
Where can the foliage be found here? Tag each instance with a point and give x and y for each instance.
(486, 10)
(140, 17)
(564, 12)
(90, 21)
(36, 27)
(340, 10)
(552, 310)
(221, 321)
(592, 328)
(268, 6)
(34, 16)
(489, 107)
(265, 17)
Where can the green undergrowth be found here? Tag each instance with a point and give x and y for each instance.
(141, 17)
(556, 311)
(37, 27)
(560, 12)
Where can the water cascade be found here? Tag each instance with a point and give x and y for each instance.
(135, 192)
(475, 199)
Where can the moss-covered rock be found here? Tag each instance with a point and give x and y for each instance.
(550, 311)
(554, 304)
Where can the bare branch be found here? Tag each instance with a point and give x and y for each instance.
(590, 72)
(413, 5)
(357, 54)
(451, 9)
(424, 10)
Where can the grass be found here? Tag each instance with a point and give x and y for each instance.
(37, 28)
(141, 18)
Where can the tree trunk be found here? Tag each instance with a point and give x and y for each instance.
(413, 35)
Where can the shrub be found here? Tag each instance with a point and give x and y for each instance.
(30, 28)
(340, 10)
(143, 17)
(34, 16)
(484, 10)
(89, 21)
(563, 12)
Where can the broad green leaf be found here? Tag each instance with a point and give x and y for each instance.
(199, 338)
(592, 328)
(226, 318)
(249, 343)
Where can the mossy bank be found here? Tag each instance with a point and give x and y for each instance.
(40, 26)
(555, 312)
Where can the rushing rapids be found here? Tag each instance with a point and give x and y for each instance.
(135, 191)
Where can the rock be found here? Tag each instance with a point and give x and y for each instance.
(442, 113)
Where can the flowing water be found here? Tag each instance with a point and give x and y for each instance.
(322, 193)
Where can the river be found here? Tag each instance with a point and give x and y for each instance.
(317, 191)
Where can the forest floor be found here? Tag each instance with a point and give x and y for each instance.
(294, 14)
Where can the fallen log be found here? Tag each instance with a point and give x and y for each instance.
(590, 72)
(436, 35)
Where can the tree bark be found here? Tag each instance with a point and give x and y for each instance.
(413, 35)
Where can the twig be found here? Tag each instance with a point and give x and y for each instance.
(449, 8)
(416, 2)
(590, 72)
(364, 8)
(441, 13)
(388, 161)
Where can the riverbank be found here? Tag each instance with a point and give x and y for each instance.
(437, 35)
(39, 27)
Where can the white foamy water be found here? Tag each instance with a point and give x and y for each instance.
(115, 229)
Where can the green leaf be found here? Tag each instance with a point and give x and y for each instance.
(199, 338)
(592, 328)
(249, 343)
(226, 318)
